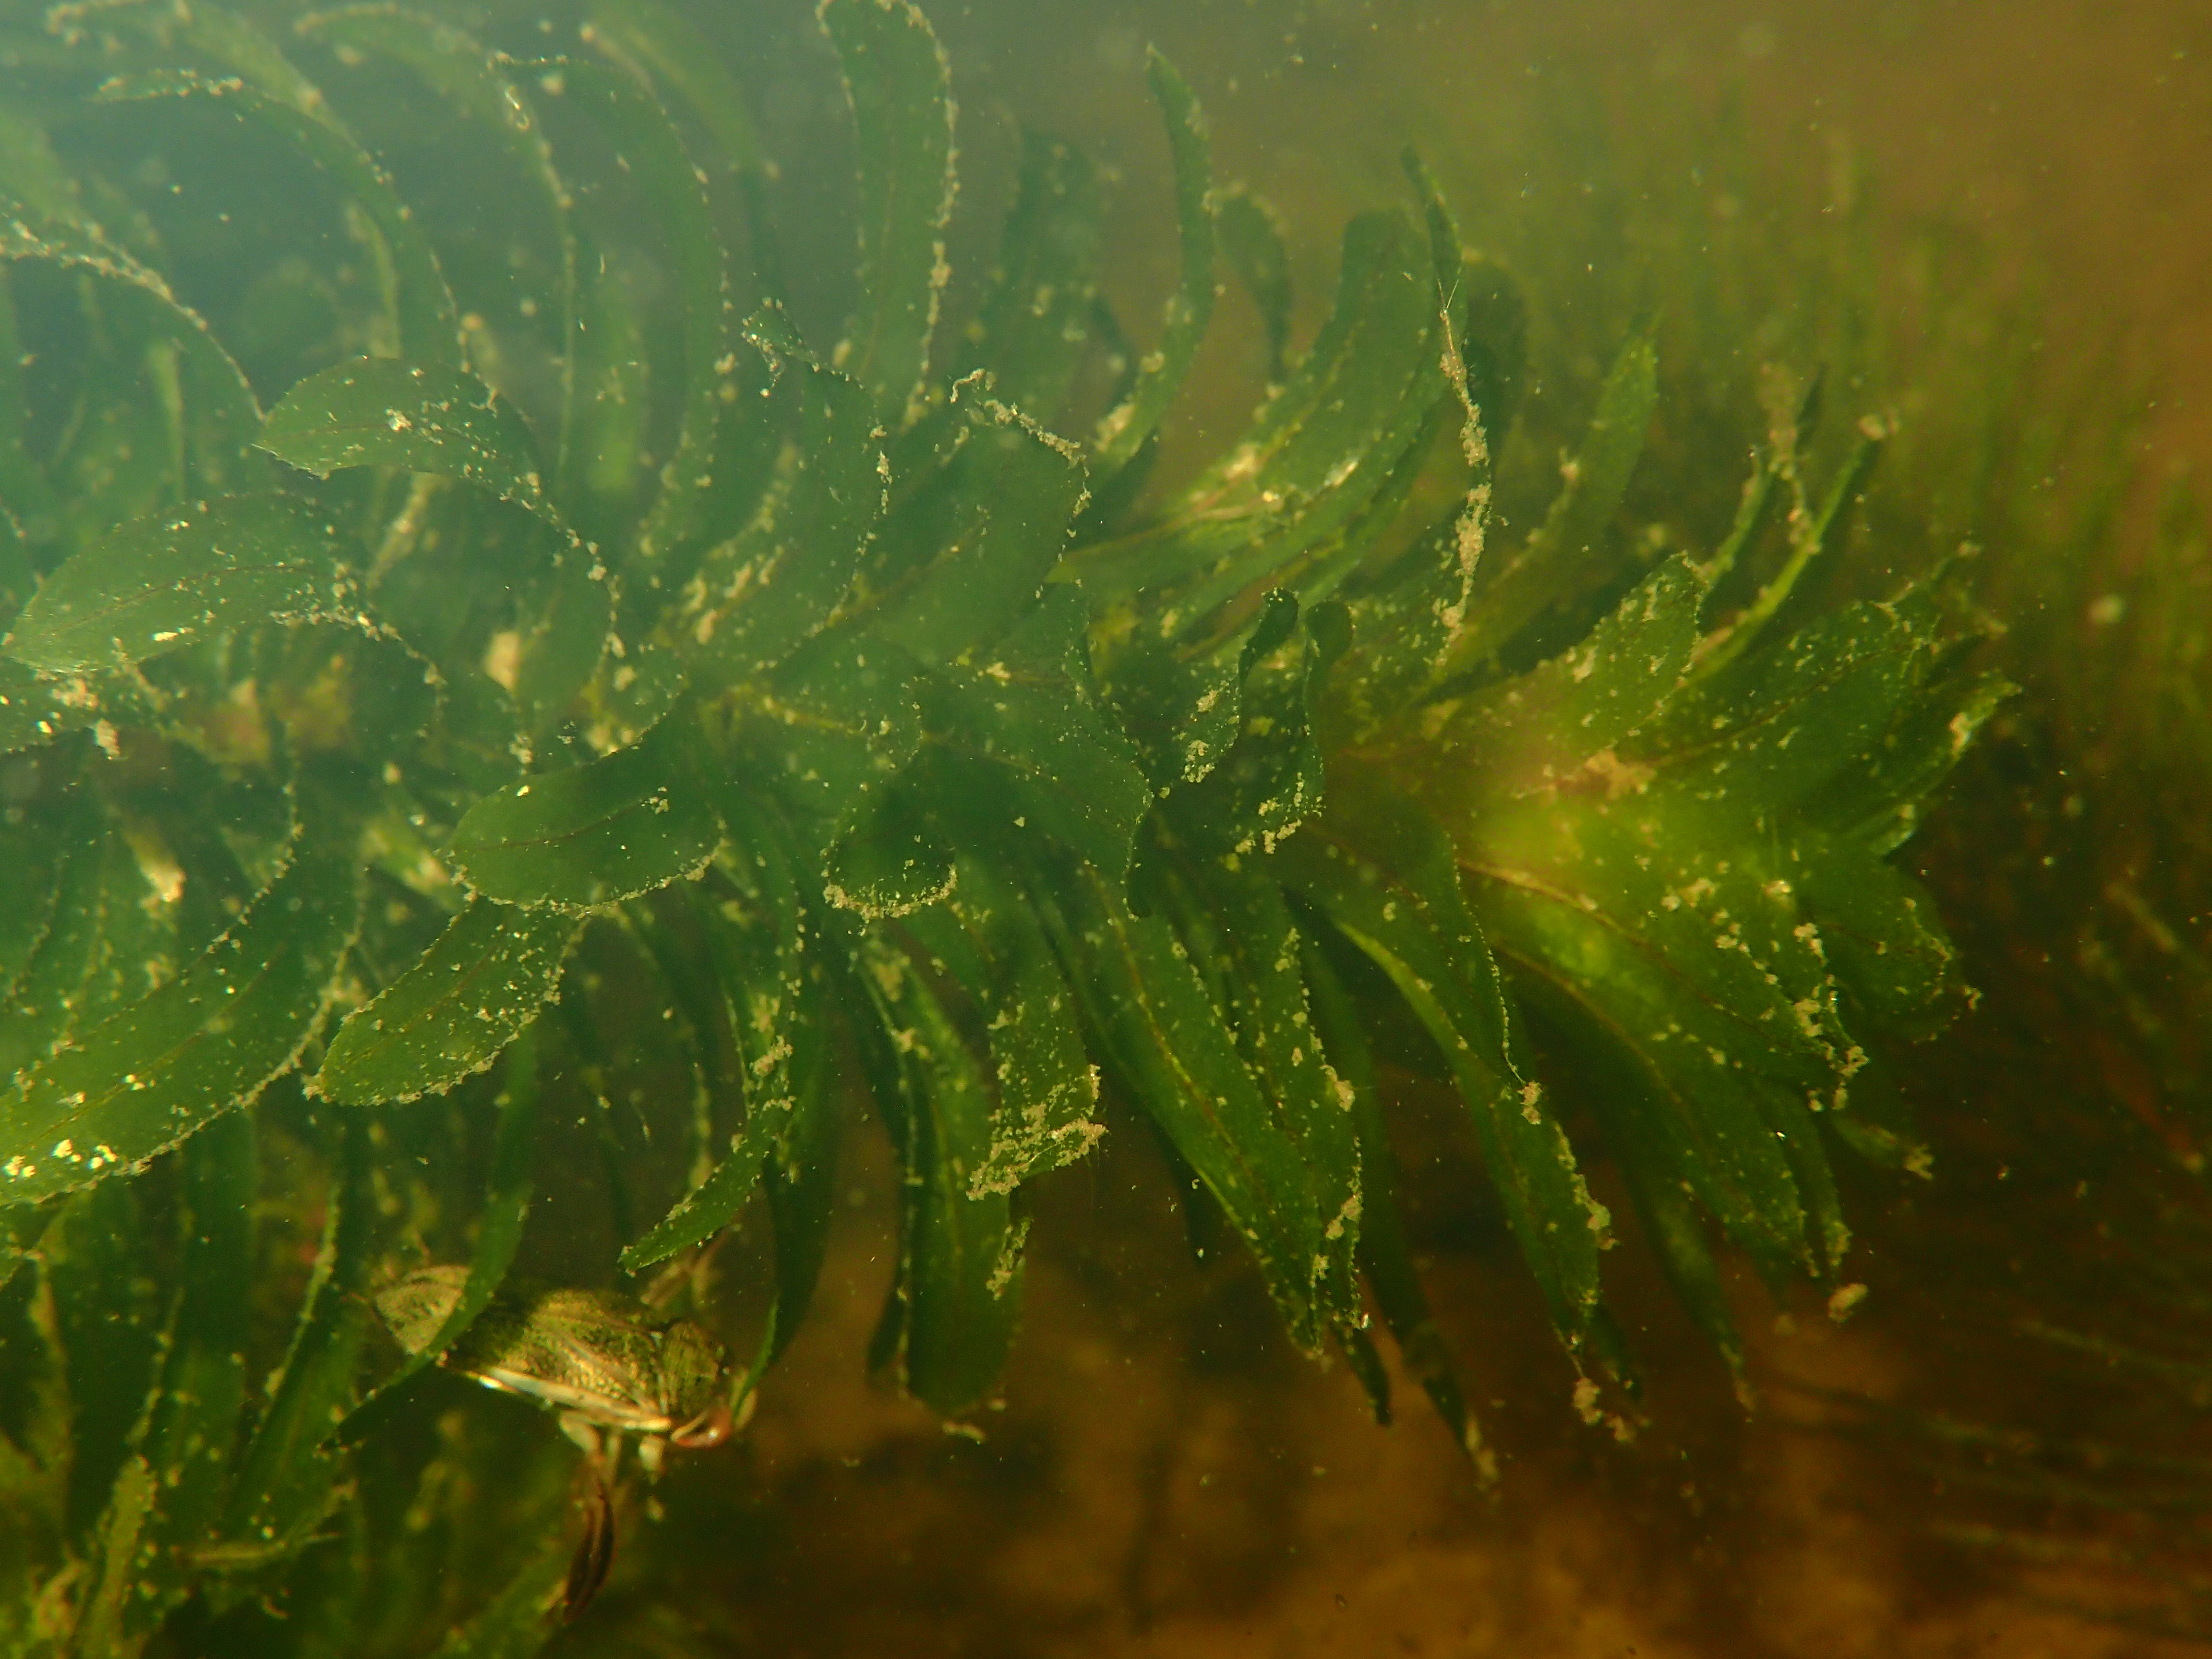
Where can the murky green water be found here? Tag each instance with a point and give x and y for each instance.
(1091, 829)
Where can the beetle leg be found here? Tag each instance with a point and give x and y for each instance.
(595, 1550)
(581, 1429)
(650, 1450)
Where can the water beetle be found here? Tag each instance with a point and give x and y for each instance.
(607, 1364)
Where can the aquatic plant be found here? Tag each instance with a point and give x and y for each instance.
(580, 697)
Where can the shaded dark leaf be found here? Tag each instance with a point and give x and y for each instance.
(1128, 426)
(279, 99)
(900, 88)
(1383, 874)
(959, 1289)
(608, 830)
(204, 1044)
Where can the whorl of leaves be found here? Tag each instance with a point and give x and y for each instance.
(878, 729)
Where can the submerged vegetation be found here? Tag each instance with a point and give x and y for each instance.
(480, 680)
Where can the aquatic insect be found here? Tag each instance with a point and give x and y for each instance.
(606, 1363)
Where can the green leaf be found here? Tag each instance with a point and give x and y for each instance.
(1654, 1161)
(1252, 240)
(222, 397)
(987, 536)
(1129, 426)
(890, 858)
(1811, 531)
(839, 720)
(608, 830)
(30, 172)
(499, 1236)
(424, 417)
(960, 1277)
(1383, 874)
(565, 640)
(468, 77)
(120, 1552)
(660, 168)
(137, 949)
(1386, 1254)
(1035, 754)
(194, 1409)
(1297, 502)
(204, 1044)
(900, 88)
(111, 1330)
(1557, 725)
(449, 1016)
(36, 708)
(286, 1485)
(972, 551)
(802, 1196)
(1881, 934)
(645, 35)
(1033, 334)
(757, 934)
(1271, 778)
(1410, 619)
(762, 594)
(43, 1004)
(986, 936)
(158, 585)
(1184, 711)
(1156, 1020)
(30, 884)
(1679, 935)
(1252, 947)
(1568, 556)
(422, 308)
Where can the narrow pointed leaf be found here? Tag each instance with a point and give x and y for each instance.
(987, 938)
(961, 1271)
(222, 397)
(1035, 329)
(378, 411)
(160, 584)
(110, 1326)
(759, 596)
(1384, 876)
(204, 1044)
(668, 179)
(1128, 426)
(757, 938)
(983, 539)
(1566, 557)
(608, 830)
(1252, 241)
(1154, 1017)
(423, 310)
(202, 1392)
(43, 1004)
(1294, 503)
(1386, 1254)
(499, 1236)
(899, 86)
(286, 1484)
(449, 1016)
(1041, 758)
(1256, 945)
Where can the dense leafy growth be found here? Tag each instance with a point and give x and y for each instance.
(578, 665)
